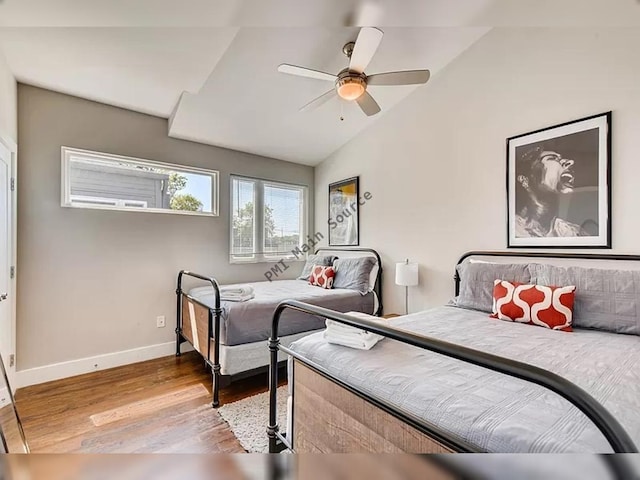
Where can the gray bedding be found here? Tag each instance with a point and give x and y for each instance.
(492, 411)
(250, 321)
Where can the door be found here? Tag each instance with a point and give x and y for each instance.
(7, 334)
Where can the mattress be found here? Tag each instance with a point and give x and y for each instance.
(492, 411)
(247, 356)
(250, 321)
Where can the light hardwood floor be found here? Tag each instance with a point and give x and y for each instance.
(162, 405)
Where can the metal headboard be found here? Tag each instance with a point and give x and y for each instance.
(517, 254)
(377, 288)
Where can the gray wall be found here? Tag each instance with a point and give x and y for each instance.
(92, 282)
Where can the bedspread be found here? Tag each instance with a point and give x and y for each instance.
(489, 410)
(250, 321)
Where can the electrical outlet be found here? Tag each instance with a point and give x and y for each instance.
(160, 321)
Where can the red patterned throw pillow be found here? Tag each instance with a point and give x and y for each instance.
(322, 276)
(550, 307)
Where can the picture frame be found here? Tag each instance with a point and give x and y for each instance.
(559, 185)
(344, 212)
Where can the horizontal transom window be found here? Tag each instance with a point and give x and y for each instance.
(105, 181)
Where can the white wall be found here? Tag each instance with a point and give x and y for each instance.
(91, 282)
(8, 102)
(435, 164)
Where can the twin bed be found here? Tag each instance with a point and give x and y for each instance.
(232, 336)
(452, 379)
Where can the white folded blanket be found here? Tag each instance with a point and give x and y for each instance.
(341, 334)
(238, 293)
(236, 290)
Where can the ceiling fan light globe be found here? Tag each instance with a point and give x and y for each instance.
(351, 88)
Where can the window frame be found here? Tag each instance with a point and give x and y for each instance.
(65, 190)
(259, 226)
(108, 202)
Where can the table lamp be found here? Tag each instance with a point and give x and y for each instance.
(406, 276)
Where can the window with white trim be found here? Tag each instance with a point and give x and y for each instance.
(268, 219)
(105, 181)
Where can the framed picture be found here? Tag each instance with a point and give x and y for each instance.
(343, 212)
(559, 185)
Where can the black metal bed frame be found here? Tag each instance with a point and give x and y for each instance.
(213, 329)
(603, 420)
(517, 254)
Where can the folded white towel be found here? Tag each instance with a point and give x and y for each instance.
(236, 293)
(341, 334)
(230, 297)
(241, 290)
(351, 341)
(342, 329)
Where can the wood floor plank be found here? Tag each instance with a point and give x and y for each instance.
(162, 405)
(141, 407)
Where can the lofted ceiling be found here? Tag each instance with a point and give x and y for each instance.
(247, 105)
(143, 69)
(209, 66)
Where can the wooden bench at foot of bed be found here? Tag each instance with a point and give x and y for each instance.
(328, 418)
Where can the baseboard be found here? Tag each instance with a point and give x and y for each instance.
(57, 371)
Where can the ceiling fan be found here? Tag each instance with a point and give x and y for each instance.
(351, 83)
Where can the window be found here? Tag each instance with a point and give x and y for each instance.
(268, 219)
(101, 180)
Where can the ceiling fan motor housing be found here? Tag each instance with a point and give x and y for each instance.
(351, 85)
(347, 49)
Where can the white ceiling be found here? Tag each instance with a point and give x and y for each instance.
(287, 13)
(247, 105)
(210, 65)
(144, 69)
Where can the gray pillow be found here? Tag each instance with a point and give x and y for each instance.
(324, 260)
(476, 282)
(605, 299)
(353, 273)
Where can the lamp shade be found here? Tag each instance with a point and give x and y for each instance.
(407, 274)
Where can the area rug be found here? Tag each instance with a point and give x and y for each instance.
(248, 419)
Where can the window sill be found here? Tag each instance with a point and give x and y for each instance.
(265, 260)
(140, 210)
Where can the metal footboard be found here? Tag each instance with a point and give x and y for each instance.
(603, 420)
(213, 328)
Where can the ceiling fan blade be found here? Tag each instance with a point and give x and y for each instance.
(368, 105)
(408, 77)
(367, 43)
(305, 72)
(316, 102)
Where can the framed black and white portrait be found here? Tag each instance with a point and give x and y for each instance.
(343, 212)
(558, 185)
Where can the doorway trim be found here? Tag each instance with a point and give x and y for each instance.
(12, 146)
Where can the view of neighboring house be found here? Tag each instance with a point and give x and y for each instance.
(118, 185)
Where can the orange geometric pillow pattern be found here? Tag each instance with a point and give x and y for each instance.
(550, 307)
(322, 276)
